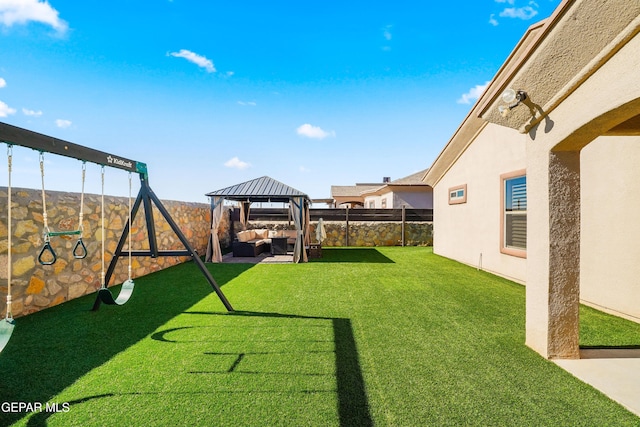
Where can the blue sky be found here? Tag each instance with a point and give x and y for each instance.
(213, 93)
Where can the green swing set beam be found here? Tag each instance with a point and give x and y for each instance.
(13, 135)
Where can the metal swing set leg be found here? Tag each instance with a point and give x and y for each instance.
(147, 197)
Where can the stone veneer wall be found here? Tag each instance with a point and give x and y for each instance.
(35, 286)
(362, 233)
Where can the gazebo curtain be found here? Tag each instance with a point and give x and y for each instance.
(214, 253)
(245, 208)
(299, 216)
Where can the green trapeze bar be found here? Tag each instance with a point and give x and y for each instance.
(63, 233)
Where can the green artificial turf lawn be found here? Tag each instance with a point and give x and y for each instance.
(376, 336)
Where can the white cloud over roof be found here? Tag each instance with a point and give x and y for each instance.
(236, 163)
(473, 94)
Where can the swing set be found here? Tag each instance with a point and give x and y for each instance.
(15, 136)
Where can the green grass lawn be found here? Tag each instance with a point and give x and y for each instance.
(377, 336)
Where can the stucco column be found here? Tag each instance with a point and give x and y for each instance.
(553, 274)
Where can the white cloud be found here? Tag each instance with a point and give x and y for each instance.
(525, 13)
(236, 163)
(3, 82)
(493, 21)
(386, 32)
(31, 113)
(199, 60)
(249, 103)
(24, 11)
(314, 132)
(5, 110)
(63, 124)
(304, 169)
(473, 94)
(505, 1)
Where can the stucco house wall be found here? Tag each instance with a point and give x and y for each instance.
(470, 232)
(375, 201)
(610, 196)
(419, 199)
(413, 199)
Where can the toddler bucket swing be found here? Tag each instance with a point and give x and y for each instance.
(126, 290)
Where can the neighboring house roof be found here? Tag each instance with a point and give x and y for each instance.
(356, 193)
(263, 189)
(413, 180)
(351, 190)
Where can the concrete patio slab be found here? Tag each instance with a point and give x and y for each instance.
(263, 258)
(615, 372)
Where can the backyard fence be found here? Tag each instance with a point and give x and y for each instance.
(353, 227)
(355, 215)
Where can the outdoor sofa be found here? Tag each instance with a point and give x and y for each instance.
(251, 243)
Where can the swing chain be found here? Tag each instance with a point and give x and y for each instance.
(45, 218)
(80, 250)
(9, 316)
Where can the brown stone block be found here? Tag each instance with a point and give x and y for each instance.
(112, 246)
(57, 300)
(53, 287)
(77, 290)
(23, 265)
(59, 266)
(17, 306)
(115, 223)
(22, 248)
(36, 285)
(37, 217)
(41, 301)
(25, 227)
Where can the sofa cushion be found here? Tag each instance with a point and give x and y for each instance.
(245, 236)
(262, 233)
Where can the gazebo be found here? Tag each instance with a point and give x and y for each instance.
(267, 190)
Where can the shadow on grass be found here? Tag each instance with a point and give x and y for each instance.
(51, 349)
(353, 407)
(355, 255)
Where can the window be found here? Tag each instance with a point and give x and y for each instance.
(458, 195)
(372, 204)
(384, 203)
(514, 214)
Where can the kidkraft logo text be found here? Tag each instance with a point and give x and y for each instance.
(116, 161)
(18, 407)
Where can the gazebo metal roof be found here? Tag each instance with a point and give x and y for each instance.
(263, 189)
